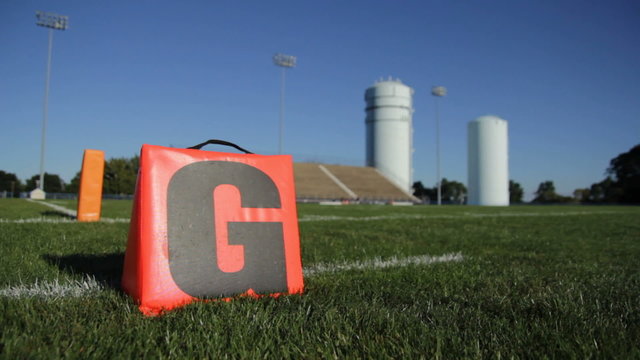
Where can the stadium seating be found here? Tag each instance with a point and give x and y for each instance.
(363, 184)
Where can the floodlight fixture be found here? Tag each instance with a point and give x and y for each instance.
(52, 22)
(438, 91)
(287, 61)
(284, 61)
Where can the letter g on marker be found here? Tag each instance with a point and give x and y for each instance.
(204, 223)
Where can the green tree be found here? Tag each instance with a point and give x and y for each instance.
(74, 185)
(625, 171)
(10, 183)
(515, 192)
(453, 192)
(423, 193)
(546, 194)
(53, 183)
(606, 191)
(581, 195)
(120, 175)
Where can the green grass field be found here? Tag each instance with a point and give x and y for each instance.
(527, 282)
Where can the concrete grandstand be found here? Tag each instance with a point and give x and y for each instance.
(321, 182)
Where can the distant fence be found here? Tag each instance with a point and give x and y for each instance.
(6, 194)
(378, 201)
(63, 196)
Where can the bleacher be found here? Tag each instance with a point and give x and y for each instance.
(313, 184)
(321, 182)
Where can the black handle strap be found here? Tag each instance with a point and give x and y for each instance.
(219, 142)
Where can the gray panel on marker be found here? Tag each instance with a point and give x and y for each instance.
(191, 231)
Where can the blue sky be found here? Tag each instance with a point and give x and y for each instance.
(564, 74)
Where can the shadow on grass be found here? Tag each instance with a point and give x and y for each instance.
(55, 213)
(105, 268)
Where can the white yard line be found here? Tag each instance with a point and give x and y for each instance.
(307, 218)
(49, 220)
(58, 221)
(312, 218)
(51, 290)
(58, 208)
(457, 216)
(377, 263)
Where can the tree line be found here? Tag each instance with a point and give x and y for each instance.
(454, 192)
(120, 176)
(621, 185)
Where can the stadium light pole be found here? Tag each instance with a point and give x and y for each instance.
(438, 92)
(284, 61)
(52, 22)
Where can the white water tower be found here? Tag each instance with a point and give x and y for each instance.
(488, 161)
(390, 130)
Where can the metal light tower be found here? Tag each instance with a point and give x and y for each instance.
(284, 61)
(53, 22)
(438, 91)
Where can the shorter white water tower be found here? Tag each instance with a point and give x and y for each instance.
(390, 131)
(488, 161)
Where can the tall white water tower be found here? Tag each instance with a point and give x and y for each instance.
(390, 130)
(488, 161)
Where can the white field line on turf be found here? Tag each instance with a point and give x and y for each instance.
(58, 221)
(308, 218)
(55, 207)
(51, 290)
(377, 263)
(61, 209)
(458, 216)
